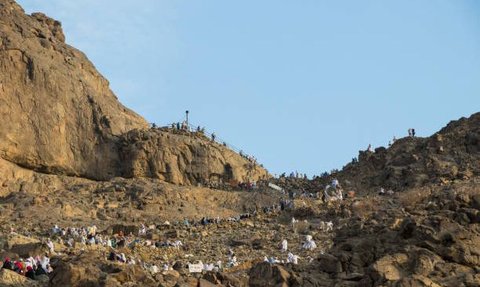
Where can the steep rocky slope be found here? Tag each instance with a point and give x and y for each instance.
(452, 154)
(425, 237)
(60, 116)
(58, 113)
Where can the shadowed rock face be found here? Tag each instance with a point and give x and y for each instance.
(59, 115)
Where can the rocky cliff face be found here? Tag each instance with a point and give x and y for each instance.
(183, 158)
(59, 115)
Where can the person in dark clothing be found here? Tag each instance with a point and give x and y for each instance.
(121, 243)
(413, 132)
(112, 256)
(40, 271)
(282, 205)
(30, 273)
(7, 264)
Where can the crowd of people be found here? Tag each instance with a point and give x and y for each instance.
(250, 158)
(309, 245)
(72, 237)
(89, 235)
(40, 265)
(294, 174)
(30, 267)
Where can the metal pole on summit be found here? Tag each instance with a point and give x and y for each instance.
(186, 117)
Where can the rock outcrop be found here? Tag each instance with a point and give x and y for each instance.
(265, 275)
(9, 279)
(91, 270)
(21, 245)
(58, 113)
(59, 116)
(451, 154)
(183, 158)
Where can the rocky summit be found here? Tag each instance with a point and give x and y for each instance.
(60, 116)
(91, 195)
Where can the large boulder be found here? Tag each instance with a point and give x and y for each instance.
(224, 279)
(329, 264)
(133, 273)
(76, 274)
(90, 269)
(268, 275)
(416, 281)
(28, 249)
(390, 267)
(22, 245)
(10, 279)
(170, 278)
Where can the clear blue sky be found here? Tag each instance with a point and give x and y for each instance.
(301, 85)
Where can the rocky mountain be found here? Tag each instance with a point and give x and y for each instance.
(60, 116)
(451, 154)
(71, 155)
